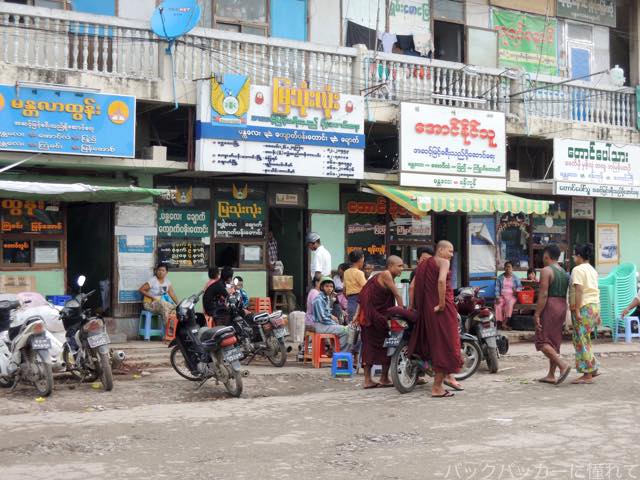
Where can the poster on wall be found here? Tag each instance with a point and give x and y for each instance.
(457, 148)
(608, 243)
(512, 233)
(412, 17)
(135, 265)
(526, 41)
(482, 246)
(50, 120)
(282, 129)
(582, 208)
(366, 226)
(598, 12)
(31, 216)
(584, 168)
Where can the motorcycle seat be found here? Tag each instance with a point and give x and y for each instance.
(206, 333)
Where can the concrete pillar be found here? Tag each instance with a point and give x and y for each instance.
(634, 44)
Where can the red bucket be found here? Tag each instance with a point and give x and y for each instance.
(526, 295)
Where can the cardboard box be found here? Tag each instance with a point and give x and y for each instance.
(17, 283)
(282, 282)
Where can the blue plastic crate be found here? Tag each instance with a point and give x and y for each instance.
(59, 300)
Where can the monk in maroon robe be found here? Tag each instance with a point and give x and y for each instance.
(435, 337)
(377, 296)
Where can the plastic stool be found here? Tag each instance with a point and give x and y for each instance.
(317, 356)
(337, 370)
(628, 330)
(145, 328)
(260, 304)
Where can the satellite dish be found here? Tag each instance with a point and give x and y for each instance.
(170, 20)
(174, 18)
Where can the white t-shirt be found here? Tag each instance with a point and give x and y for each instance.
(158, 289)
(321, 262)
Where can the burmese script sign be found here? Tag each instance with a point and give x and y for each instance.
(240, 218)
(585, 168)
(444, 147)
(599, 12)
(281, 129)
(181, 223)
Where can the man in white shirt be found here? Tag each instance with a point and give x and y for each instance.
(321, 261)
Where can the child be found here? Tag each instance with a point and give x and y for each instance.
(531, 275)
(239, 283)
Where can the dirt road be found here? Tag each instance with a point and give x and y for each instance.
(303, 424)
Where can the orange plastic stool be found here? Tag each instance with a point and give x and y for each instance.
(171, 328)
(260, 304)
(318, 356)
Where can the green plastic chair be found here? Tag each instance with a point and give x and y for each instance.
(617, 290)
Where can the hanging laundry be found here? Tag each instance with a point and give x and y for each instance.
(387, 39)
(357, 34)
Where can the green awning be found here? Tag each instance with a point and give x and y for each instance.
(75, 192)
(421, 202)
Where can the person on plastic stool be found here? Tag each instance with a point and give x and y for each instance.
(324, 321)
(238, 282)
(635, 303)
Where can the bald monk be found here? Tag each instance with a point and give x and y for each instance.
(377, 296)
(435, 337)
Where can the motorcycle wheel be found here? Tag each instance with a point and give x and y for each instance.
(44, 383)
(404, 373)
(179, 364)
(106, 374)
(492, 359)
(91, 375)
(277, 352)
(471, 356)
(234, 383)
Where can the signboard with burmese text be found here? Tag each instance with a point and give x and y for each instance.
(457, 148)
(287, 128)
(584, 168)
(50, 120)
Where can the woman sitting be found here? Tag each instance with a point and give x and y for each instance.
(507, 285)
(158, 295)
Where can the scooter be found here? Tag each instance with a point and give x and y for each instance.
(202, 353)
(260, 334)
(86, 351)
(480, 321)
(24, 349)
(406, 369)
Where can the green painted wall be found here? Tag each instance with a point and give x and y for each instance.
(330, 227)
(625, 213)
(188, 283)
(48, 282)
(324, 196)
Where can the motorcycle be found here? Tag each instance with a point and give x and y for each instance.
(260, 334)
(406, 369)
(86, 351)
(480, 321)
(24, 349)
(201, 353)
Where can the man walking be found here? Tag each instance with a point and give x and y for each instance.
(321, 262)
(436, 337)
(551, 313)
(376, 298)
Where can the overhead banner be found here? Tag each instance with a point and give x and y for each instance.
(457, 148)
(282, 129)
(584, 168)
(599, 12)
(526, 41)
(541, 7)
(46, 120)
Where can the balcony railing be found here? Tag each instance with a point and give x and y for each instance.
(121, 49)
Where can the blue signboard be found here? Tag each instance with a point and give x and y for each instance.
(46, 120)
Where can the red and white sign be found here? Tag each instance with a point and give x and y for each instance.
(445, 147)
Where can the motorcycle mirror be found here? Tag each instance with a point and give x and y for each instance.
(81, 280)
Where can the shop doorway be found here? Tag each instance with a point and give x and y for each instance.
(453, 227)
(581, 232)
(288, 229)
(89, 250)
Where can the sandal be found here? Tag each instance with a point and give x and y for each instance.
(446, 394)
(375, 385)
(563, 376)
(457, 388)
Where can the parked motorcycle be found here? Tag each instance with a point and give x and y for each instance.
(202, 353)
(480, 321)
(24, 349)
(260, 334)
(406, 369)
(86, 351)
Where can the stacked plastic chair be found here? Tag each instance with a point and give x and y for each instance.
(617, 290)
